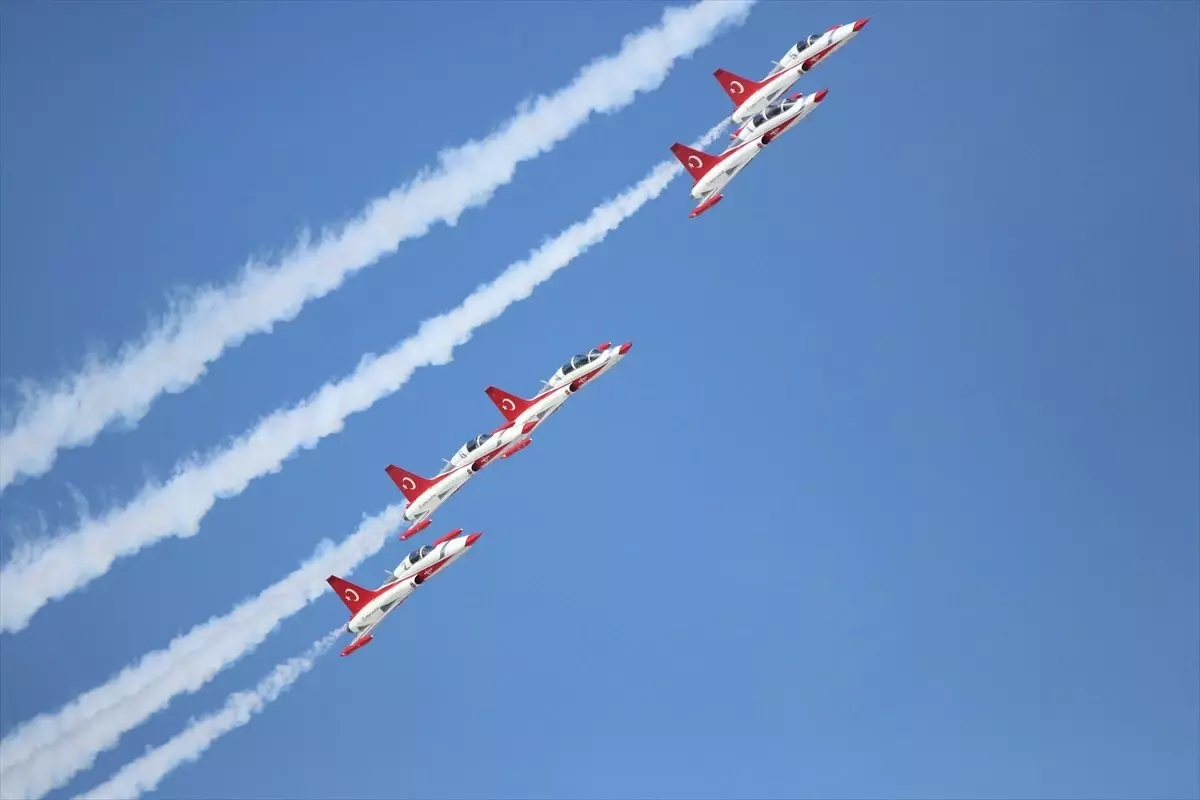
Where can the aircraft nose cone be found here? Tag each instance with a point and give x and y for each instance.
(862, 23)
(623, 349)
(473, 538)
(819, 96)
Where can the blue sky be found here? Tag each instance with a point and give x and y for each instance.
(896, 494)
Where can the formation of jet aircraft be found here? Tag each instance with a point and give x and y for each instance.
(760, 118)
(425, 495)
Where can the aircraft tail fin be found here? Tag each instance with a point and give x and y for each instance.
(696, 162)
(355, 597)
(737, 87)
(410, 483)
(510, 405)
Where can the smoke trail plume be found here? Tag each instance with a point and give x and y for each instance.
(147, 772)
(175, 352)
(49, 570)
(49, 750)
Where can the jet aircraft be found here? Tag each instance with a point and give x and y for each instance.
(568, 379)
(751, 97)
(425, 495)
(772, 122)
(712, 173)
(368, 607)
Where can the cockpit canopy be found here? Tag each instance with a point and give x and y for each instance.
(473, 444)
(809, 42)
(417, 555)
(465, 451)
(581, 361)
(772, 112)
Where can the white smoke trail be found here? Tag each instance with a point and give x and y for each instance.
(147, 772)
(49, 750)
(175, 352)
(49, 570)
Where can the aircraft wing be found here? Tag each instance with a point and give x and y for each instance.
(718, 194)
(361, 639)
(365, 636)
(710, 200)
(419, 524)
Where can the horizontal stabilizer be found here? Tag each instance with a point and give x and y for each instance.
(357, 643)
(423, 523)
(706, 205)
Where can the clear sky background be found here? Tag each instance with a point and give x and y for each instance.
(896, 494)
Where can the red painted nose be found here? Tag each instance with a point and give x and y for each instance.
(819, 96)
(862, 23)
(474, 537)
(623, 349)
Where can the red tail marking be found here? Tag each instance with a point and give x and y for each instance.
(737, 87)
(696, 162)
(411, 484)
(510, 405)
(355, 597)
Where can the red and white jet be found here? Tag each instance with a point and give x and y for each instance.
(772, 122)
(712, 173)
(368, 607)
(750, 97)
(568, 379)
(425, 495)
